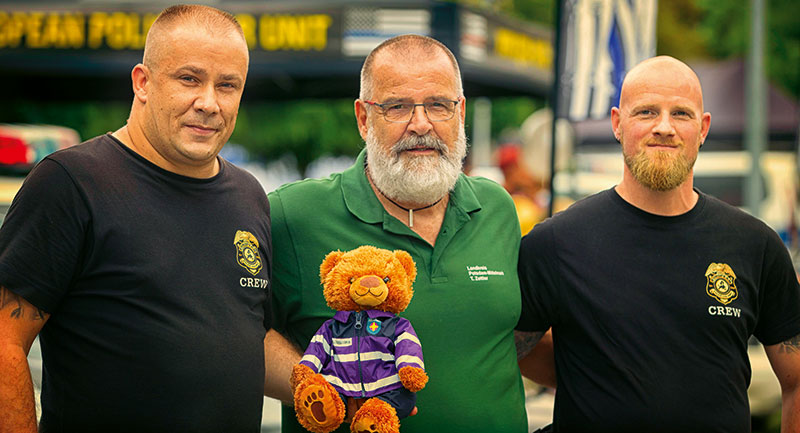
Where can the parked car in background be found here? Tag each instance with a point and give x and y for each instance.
(21, 148)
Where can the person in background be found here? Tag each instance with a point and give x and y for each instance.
(653, 288)
(142, 259)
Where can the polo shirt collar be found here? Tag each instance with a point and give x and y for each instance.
(362, 202)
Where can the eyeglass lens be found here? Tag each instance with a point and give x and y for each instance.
(437, 111)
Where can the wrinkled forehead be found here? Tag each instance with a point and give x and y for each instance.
(414, 70)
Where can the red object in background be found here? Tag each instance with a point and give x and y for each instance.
(13, 151)
(508, 155)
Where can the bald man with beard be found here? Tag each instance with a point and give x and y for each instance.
(653, 288)
(142, 259)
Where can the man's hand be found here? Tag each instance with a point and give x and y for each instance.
(354, 404)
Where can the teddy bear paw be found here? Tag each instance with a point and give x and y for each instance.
(375, 416)
(318, 407)
(364, 425)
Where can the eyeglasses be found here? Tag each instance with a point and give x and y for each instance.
(402, 112)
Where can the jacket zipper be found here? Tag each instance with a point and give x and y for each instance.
(358, 352)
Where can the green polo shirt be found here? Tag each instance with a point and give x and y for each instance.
(466, 295)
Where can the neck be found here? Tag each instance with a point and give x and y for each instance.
(137, 141)
(425, 220)
(665, 203)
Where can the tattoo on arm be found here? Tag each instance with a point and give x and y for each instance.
(525, 341)
(791, 345)
(17, 308)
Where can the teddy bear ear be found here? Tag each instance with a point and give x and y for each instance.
(407, 262)
(328, 264)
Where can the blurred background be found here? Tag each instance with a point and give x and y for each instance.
(66, 67)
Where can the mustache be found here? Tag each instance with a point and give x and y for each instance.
(663, 141)
(416, 141)
(204, 123)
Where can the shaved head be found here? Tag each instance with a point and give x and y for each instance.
(661, 124)
(661, 69)
(206, 18)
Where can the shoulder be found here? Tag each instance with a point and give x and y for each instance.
(86, 153)
(488, 192)
(588, 208)
(482, 186)
(718, 212)
(752, 233)
(306, 188)
(241, 176)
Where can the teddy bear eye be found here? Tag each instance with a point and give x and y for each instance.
(386, 279)
(351, 280)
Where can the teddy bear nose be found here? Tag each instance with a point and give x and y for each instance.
(370, 281)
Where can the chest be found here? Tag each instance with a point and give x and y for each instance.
(670, 282)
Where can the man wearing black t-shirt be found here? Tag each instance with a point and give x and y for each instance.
(142, 259)
(653, 288)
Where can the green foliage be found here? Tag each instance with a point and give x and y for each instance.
(88, 118)
(306, 128)
(538, 11)
(724, 26)
(679, 17)
(509, 113)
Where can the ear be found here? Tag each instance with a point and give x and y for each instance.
(463, 110)
(408, 264)
(615, 122)
(140, 77)
(361, 117)
(328, 264)
(705, 125)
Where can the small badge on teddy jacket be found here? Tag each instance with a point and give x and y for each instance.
(366, 351)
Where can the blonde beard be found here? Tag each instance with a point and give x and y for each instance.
(660, 172)
(415, 179)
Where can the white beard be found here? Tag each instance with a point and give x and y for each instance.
(413, 179)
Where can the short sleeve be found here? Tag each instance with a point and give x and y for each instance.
(43, 236)
(779, 314)
(538, 279)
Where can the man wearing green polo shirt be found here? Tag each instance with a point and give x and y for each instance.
(406, 191)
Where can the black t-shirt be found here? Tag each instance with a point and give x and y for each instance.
(651, 315)
(157, 291)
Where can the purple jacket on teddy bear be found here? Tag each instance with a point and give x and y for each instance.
(359, 353)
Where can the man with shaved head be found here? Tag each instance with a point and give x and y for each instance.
(142, 259)
(653, 288)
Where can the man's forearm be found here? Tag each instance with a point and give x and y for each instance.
(17, 406)
(790, 413)
(280, 356)
(535, 356)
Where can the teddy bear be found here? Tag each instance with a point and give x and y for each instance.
(366, 351)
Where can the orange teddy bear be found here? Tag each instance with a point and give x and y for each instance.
(366, 350)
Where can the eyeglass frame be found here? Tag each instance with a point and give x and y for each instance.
(424, 108)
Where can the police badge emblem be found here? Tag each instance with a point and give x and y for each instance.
(721, 283)
(247, 251)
